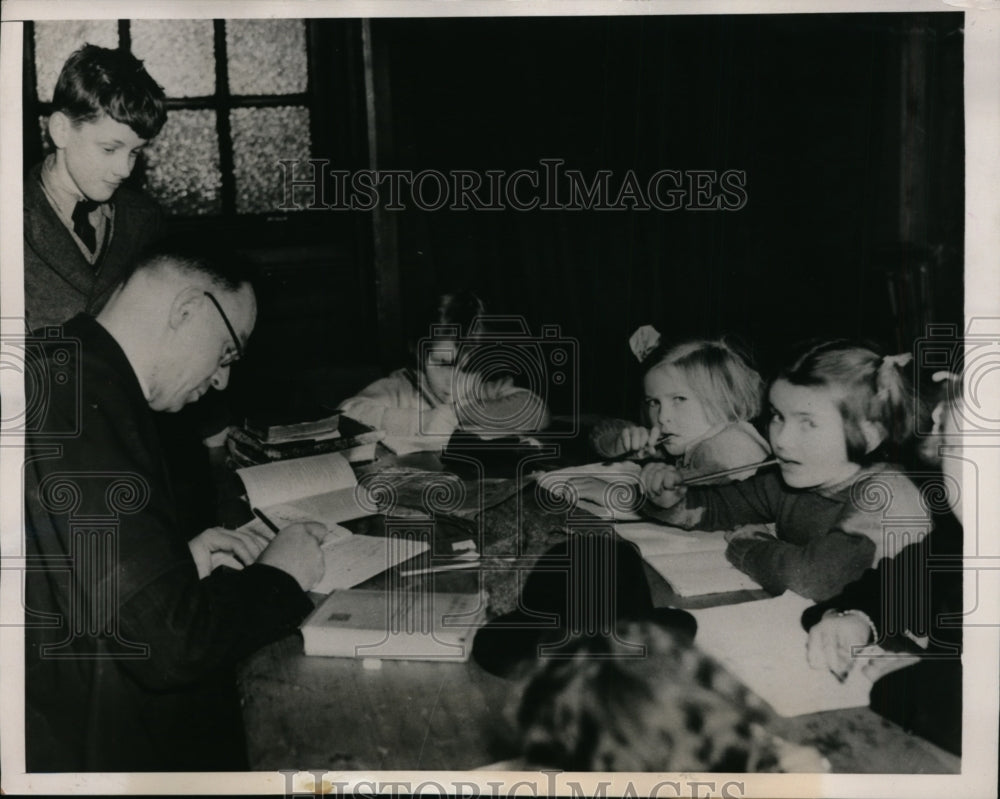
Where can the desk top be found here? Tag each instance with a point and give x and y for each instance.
(346, 714)
(336, 714)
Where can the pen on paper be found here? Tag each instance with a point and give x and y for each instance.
(263, 517)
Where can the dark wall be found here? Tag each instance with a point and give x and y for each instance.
(809, 107)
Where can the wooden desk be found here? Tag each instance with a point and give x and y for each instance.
(336, 714)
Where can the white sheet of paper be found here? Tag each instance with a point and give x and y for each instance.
(349, 559)
(659, 539)
(698, 573)
(360, 453)
(349, 562)
(404, 445)
(763, 644)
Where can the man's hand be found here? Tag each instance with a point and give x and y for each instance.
(663, 484)
(217, 546)
(295, 550)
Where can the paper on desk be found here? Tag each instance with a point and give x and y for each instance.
(360, 453)
(601, 488)
(347, 563)
(404, 445)
(348, 559)
(699, 573)
(693, 562)
(659, 539)
(763, 644)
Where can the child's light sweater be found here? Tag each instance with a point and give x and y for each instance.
(403, 405)
(725, 446)
(826, 537)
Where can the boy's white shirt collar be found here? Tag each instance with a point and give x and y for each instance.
(63, 196)
(59, 187)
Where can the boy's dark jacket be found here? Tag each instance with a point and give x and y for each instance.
(58, 281)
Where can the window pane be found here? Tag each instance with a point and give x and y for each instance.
(182, 164)
(266, 56)
(179, 54)
(261, 138)
(56, 41)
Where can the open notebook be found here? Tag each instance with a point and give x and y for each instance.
(691, 561)
(763, 644)
(322, 488)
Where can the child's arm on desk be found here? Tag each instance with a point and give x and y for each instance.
(502, 407)
(716, 507)
(393, 404)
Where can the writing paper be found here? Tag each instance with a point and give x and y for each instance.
(763, 644)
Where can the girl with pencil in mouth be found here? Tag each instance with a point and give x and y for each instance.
(700, 398)
(834, 412)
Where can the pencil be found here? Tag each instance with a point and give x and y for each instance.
(260, 515)
(704, 478)
(469, 564)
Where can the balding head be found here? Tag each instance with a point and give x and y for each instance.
(181, 320)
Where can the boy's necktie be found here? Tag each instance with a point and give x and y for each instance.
(81, 223)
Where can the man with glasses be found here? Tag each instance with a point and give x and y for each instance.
(132, 630)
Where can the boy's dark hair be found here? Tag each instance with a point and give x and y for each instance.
(459, 308)
(96, 80)
(449, 316)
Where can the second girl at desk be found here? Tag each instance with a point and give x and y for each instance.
(443, 390)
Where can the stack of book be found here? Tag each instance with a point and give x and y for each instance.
(263, 439)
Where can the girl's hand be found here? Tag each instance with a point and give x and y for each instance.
(637, 441)
(832, 640)
(217, 546)
(663, 484)
(750, 532)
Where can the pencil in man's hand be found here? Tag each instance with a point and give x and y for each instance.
(261, 515)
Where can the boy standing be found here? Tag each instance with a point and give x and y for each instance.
(83, 230)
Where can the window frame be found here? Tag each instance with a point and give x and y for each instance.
(337, 132)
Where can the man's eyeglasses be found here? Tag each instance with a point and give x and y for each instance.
(230, 357)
